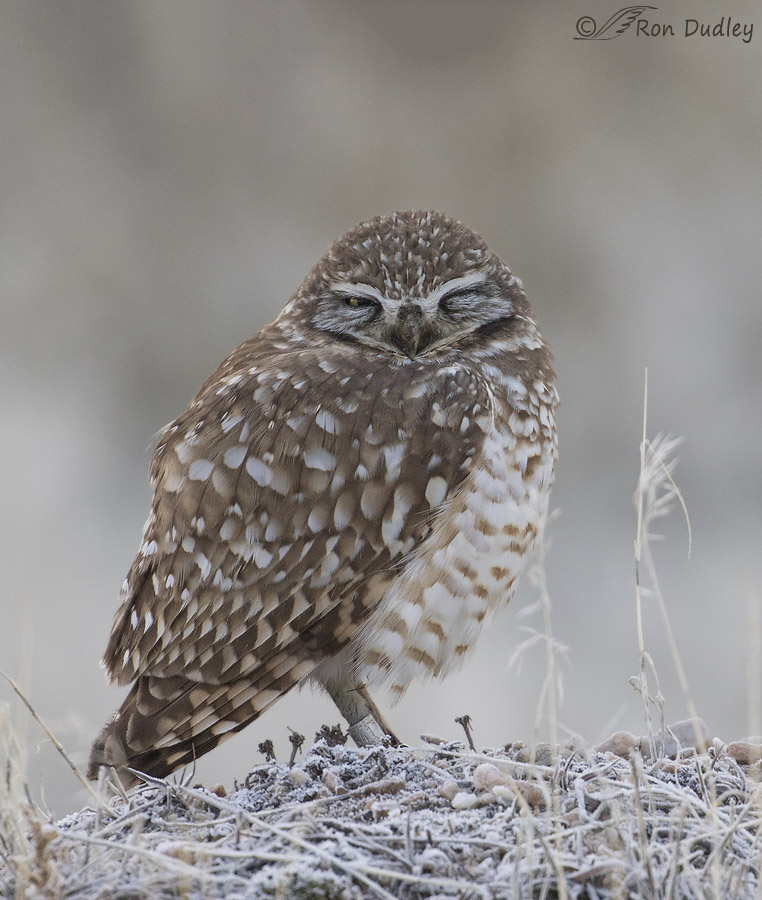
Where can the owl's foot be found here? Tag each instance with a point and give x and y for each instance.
(367, 726)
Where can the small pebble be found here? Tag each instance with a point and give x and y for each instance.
(541, 754)
(464, 800)
(504, 794)
(744, 752)
(530, 792)
(621, 743)
(448, 789)
(686, 733)
(486, 776)
(577, 744)
(332, 781)
(298, 777)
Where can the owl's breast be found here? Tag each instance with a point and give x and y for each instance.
(470, 563)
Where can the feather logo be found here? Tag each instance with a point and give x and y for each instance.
(587, 29)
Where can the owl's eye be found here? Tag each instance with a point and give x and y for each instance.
(357, 302)
(457, 300)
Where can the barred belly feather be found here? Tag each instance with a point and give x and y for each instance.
(468, 568)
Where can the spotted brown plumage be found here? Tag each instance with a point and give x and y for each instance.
(347, 497)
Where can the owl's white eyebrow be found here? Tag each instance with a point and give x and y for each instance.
(473, 278)
(363, 290)
(430, 301)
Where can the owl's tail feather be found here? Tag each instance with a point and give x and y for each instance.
(167, 723)
(121, 744)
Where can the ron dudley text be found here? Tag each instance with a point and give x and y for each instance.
(726, 27)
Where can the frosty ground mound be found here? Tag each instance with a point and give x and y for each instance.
(438, 821)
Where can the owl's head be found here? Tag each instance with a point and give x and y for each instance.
(412, 284)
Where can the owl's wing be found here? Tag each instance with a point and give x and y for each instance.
(284, 498)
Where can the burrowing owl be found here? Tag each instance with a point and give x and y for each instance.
(346, 498)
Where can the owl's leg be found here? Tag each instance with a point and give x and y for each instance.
(378, 716)
(367, 727)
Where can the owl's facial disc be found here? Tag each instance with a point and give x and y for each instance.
(412, 325)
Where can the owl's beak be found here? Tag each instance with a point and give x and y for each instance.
(409, 319)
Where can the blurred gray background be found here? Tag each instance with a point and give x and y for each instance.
(172, 168)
